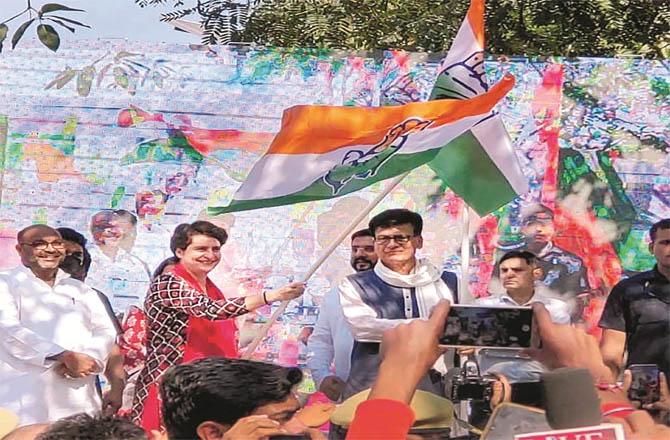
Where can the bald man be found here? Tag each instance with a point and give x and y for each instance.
(54, 334)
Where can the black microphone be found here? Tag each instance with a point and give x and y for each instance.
(570, 398)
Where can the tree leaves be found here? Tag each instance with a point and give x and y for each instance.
(3, 34)
(48, 36)
(20, 31)
(51, 7)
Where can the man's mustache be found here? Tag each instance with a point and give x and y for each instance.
(366, 260)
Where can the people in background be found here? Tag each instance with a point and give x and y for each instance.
(331, 342)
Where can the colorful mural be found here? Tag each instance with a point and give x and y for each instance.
(163, 131)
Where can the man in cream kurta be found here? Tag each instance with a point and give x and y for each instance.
(399, 288)
(54, 334)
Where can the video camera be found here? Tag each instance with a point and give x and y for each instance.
(469, 384)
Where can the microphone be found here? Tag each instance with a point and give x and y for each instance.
(570, 398)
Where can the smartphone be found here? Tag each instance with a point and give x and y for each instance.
(489, 327)
(646, 386)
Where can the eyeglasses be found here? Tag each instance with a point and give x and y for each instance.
(399, 239)
(41, 245)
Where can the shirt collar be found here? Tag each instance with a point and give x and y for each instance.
(60, 275)
(508, 299)
(659, 277)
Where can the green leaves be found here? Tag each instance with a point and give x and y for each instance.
(20, 31)
(48, 36)
(51, 7)
(45, 32)
(3, 34)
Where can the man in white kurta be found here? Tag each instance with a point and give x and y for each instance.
(54, 334)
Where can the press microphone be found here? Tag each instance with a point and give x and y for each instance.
(570, 398)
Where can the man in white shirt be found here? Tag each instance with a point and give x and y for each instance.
(332, 340)
(401, 287)
(54, 334)
(114, 270)
(519, 271)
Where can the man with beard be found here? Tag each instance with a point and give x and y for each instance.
(331, 339)
(54, 334)
(401, 287)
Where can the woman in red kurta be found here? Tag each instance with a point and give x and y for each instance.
(188, 317)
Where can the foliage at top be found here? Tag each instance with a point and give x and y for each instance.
(514, 27)
(47, 34)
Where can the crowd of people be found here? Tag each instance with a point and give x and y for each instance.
(69, 368)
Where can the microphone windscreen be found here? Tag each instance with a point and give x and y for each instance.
(570, 398)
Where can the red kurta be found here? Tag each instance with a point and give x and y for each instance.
(183, 324)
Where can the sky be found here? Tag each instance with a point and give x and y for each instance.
(108, 19)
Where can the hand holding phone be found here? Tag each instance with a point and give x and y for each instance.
(645, 383)
(488, 327)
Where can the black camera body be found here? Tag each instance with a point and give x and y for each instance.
(469, 384)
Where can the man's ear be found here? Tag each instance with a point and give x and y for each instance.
(538, 273)
(419, 242)
(651, 247)
(179, 253)
(210, 430)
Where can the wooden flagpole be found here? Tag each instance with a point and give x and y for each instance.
(315, 266)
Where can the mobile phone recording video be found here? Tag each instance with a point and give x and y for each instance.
(488, 327)
(645, 386)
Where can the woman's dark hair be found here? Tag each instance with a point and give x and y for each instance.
(181, 237)
(169, 261)
(220, 390)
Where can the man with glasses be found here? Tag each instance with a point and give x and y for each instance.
(54, 334)
(401, 287)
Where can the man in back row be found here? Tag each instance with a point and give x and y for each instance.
(519, 272)
(331, 341)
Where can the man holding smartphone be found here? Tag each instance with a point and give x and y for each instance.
(519, 271)
(636, 318)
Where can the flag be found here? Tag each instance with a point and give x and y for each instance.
(480, 165)
(323, 152)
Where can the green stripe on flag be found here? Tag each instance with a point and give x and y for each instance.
(468, 170)
(319, 190)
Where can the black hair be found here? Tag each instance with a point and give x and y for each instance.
(529, 257)
(70, 234)
(181, 237)
(392, 217)
(127, 215)
(220, 390)
(362, 233)
(86, 427)
(161, 267)
(661, 224)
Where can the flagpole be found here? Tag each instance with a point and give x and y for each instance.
(463, 288)
(315, 266)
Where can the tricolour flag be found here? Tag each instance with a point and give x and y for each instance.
(323, 152)
(480, 165)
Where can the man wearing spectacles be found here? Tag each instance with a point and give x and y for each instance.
(401, 287)
(54, 334)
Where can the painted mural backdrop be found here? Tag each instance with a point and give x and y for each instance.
(156, 133)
